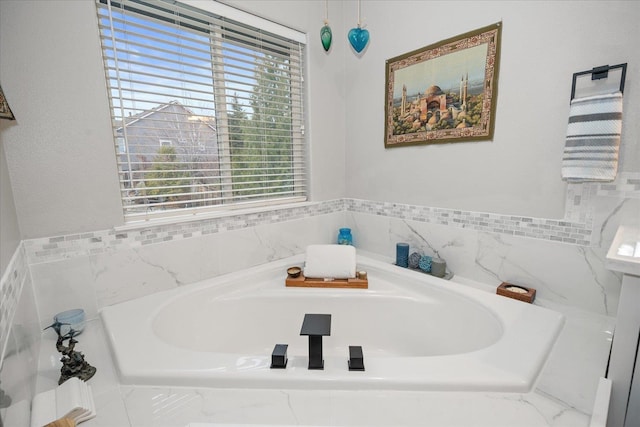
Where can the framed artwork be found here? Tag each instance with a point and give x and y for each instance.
(445, 92)
(5, 111)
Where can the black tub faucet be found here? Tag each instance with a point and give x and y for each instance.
(316, 326)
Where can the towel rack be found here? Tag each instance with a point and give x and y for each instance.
(598, 73)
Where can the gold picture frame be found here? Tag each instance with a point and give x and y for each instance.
(444, 92)
(5, 111)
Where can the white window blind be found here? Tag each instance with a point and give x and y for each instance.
(207, 112)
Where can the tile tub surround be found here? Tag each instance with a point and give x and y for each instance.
(96, 267)
(21, 336)
(563, 395)
(143, 234)
(581, 225)
(91, 274)
(11, 284)
(536, 228)
(563, 259)
(566, 274)
(109, 266)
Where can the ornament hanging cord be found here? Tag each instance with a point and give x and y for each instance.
(326, 12)
(325, 31)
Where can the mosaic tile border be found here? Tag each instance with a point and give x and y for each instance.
(575, 228)
(626, 186)
(579, 197)
(83, 244)
(575, 233)
(11, 286)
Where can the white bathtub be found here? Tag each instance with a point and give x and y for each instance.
(417, 332)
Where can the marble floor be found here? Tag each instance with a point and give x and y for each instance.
(563, 395)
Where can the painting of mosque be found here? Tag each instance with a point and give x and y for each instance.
(445, 92)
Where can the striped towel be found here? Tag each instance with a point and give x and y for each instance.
(593, 138)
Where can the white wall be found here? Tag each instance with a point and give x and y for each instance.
(62, 167)
(9, 231)
(60, 155)
(62, 164)
(61, 161)
(543, 44)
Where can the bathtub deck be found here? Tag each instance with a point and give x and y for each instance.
(563, 396)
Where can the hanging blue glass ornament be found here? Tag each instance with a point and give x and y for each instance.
(358, 37)
(326, 36)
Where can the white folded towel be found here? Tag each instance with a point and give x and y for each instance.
(593, 138)
(330, 261)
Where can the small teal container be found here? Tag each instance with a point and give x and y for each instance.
(402, 254)
(345, 237)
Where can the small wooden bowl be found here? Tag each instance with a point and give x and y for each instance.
(294, 271)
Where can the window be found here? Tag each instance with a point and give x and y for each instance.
(121, 148)
(207, 111)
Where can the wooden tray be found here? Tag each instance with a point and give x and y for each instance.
(308, 282)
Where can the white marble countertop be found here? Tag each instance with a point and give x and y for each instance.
(563, 396)
(624, 252)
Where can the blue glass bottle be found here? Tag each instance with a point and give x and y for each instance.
(345, 237)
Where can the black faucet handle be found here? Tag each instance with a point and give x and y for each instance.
(279, 356)
(356, 360)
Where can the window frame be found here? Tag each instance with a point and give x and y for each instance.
(221, 96)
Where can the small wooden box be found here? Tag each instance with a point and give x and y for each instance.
(308, 282)
(520, 293)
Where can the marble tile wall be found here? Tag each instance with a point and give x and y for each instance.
(21, 337)
(566, 231)
(109, 267)
(11, 286)
(68, 246)
(564, 273)
(562, 258)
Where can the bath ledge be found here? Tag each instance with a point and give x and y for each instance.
(565, 391)
(188, 331)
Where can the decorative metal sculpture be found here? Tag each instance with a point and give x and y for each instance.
(73, 363)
